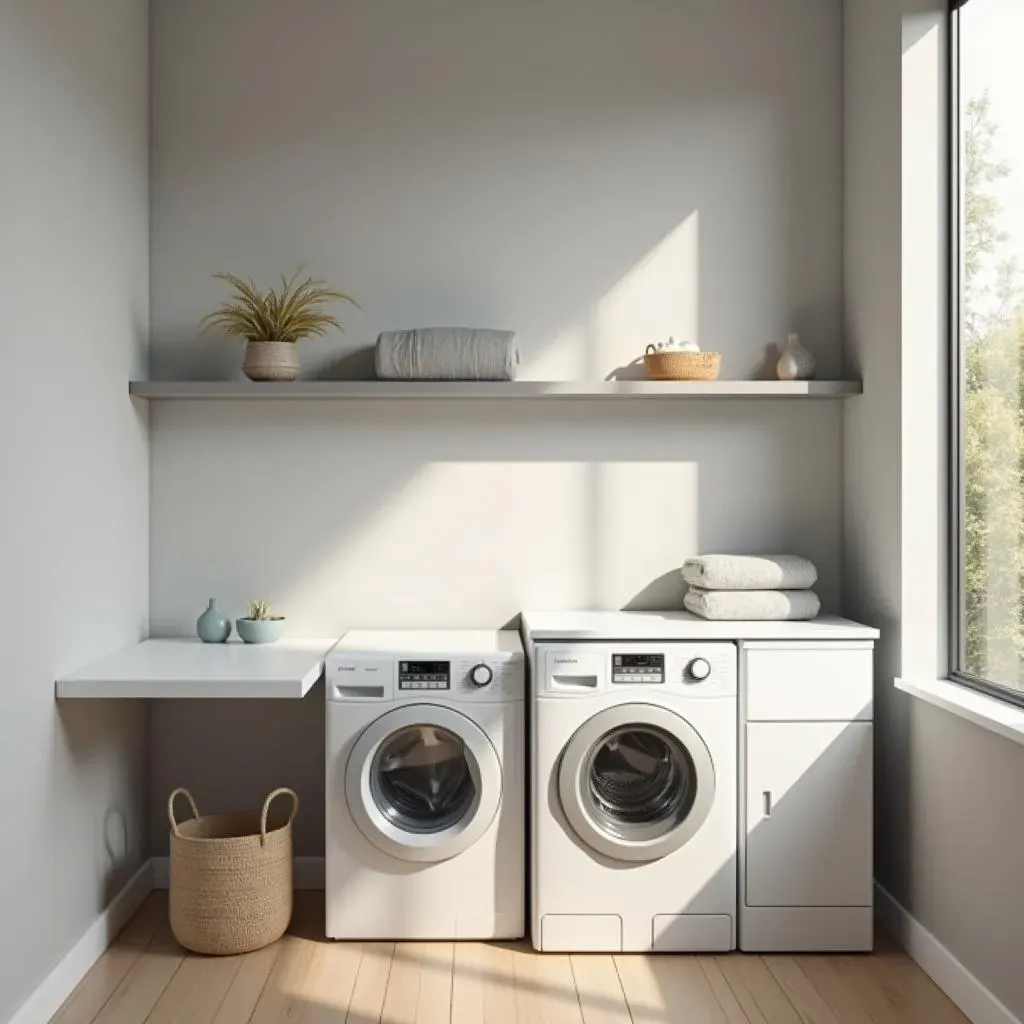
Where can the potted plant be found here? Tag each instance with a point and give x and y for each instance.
(260, 626)
(273, 321)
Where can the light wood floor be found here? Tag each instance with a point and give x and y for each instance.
(146, 976)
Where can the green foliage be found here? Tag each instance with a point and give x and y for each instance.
(290, 314)
(994, 420)
(260, 609)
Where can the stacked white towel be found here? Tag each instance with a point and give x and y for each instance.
(765, 587)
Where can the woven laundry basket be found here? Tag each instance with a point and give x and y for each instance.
(231, 877)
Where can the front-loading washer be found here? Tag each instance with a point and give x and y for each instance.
(425, 790)
(633, 795)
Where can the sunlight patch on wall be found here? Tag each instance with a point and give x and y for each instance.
(657, 298)
(473, 543)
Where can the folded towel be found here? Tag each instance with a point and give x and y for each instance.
(750, 572)
(752, 604)
(447, 353)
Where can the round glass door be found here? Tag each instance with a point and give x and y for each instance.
(423, 783)
(420, 779)
(636, 782)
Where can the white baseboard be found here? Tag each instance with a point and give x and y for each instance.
(308, 872)
(976, 1001)
(61, 981)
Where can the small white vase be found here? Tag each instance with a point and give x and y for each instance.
(795, 363)
(271, 360)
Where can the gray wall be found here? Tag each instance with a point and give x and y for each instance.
(74, 517)
(948, 826)
(596, 175)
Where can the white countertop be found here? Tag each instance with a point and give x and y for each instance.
(189, 668)
(548, 625)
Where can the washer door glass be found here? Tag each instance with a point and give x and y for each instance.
(421, 779)
(636, 782)
(641, 782)
(423, 782)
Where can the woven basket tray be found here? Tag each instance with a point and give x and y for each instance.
(231, 877)
(682, 365)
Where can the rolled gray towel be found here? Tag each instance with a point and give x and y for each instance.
(447, 353)
(750, 572)
(730, 605)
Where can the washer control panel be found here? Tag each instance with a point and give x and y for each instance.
(638, 668)
(378, 666)
(424, 675)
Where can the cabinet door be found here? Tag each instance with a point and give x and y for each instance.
(808, 800)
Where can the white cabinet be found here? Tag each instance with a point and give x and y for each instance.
(808, 814)
(806, 800)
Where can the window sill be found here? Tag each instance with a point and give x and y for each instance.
(990, 713)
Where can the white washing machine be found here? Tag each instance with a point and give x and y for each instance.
(425, 785)
(633, 793)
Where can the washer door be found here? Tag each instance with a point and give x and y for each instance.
(636, 782)
(423, 783)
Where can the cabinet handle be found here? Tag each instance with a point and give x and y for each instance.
(767, 804)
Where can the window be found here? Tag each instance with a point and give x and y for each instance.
(987, 108)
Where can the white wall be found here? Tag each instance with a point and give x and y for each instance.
(74, 516)
(948, 825)
(595, 175)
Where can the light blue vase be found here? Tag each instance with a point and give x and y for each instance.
(212, 627)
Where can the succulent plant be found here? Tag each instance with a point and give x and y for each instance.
(260, 610)
(289, 314)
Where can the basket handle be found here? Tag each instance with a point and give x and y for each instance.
(284, 790)
(650, 350)
(180, 791)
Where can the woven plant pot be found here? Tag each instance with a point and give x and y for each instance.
(682, 365)
(271, 360)
(231, 877)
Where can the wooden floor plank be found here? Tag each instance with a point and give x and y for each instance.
(95, 989)
(757, 991)
(821, 971)
(433, 1005)
(371, 985)
(402, 996)
(647, 1001)
(247, 986)
(602, 1000)
(800, 991)
(196, 991)
(133, 1000)
(332, 979)
(282, 997)
(545, 988)
(467, 984)
(727, 1001)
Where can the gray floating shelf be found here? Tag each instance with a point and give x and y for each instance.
(358, 390)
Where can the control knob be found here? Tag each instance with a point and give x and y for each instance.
(481, 675)
(698, 669)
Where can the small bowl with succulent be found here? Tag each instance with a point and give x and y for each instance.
(260, 626)
(274, 321)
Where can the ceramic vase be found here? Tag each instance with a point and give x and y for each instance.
(213, 627)
(795, 363)
(271, 360)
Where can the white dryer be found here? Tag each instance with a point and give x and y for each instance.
(425, 790)
(633, 795)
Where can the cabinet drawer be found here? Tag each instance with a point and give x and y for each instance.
(813, 683)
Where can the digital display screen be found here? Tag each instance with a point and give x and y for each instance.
(424, 675)
(638, 668)
(649, 662)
